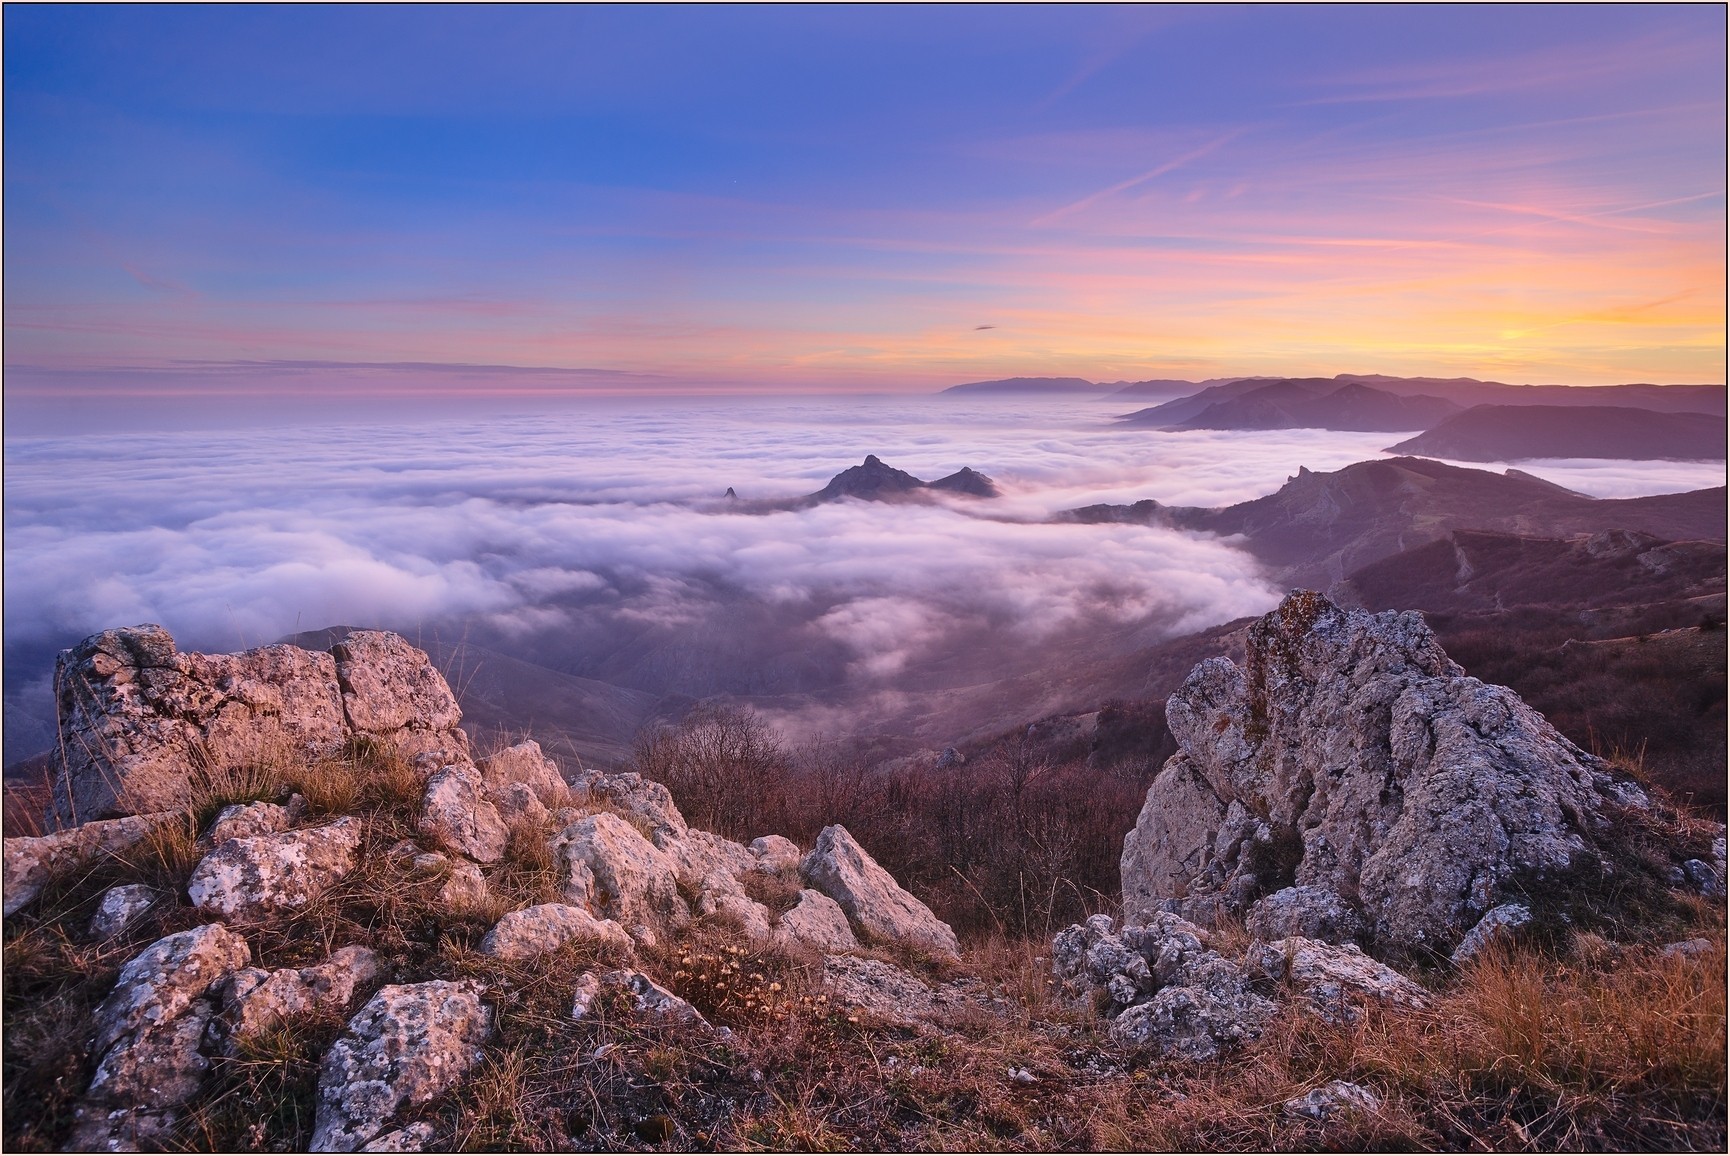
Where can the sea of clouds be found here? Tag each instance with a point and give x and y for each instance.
(538, 525)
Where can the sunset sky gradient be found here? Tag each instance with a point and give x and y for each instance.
(525, 199)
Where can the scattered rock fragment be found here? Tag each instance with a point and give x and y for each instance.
(410, 1043)
(606, 864)
(28, 862)
(1497, 923)
(240, 820)
(816, 922)
(1312, 912)
(525, 764)
(119, 908)
(1332, 1099)
(1333, 978)
(256, 999)
(776, 854)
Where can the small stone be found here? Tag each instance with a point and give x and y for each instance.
(587, 991)
(1497, 923)
(776, 854)
(1689, 949)
(524, 764)
(816, 922)
(119, 909)
(1334, 1098)
(257, 1004)
(238, 820)
(548, 927)
(653, 999)
(413, 1138)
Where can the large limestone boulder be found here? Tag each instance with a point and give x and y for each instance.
(877, 905)
(1350, 755)
(410, 1043)
(29, 862)
(148, 1034)
(262, 875)
(607, 865)
(137, 716)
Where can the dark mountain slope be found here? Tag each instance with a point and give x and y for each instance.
(1505, 433)
(1303, 405)
(1317, 528)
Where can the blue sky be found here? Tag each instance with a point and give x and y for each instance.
(787, 197)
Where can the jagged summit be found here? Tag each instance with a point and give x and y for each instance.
(876, 482)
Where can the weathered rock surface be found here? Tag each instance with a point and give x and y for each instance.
(548, 927)
(456, 813)
(776, 854)
(413, 1138)
(1312, 912)
(525, 764)
(240, 820)
(255, 999)
(518, 803)
(148, 1034)
(410, 1043)
(606, 864)
(1496, 923)
(1333, 979)
(652, 999)
(464, 886)
(28, 862)
(1350, 754)
(137, 715)
(119, 908)
(1332, 1099)
(1161, 985)
(816, 922)
(876, 904)
(261, 875)
(881, 989)
(709, 872)
(631, 793)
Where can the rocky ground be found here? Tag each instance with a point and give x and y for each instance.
(1370, 903)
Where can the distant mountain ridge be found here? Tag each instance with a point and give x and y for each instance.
(1504, 433)
(1319, 527)
(1457, 393)
(1321, 403)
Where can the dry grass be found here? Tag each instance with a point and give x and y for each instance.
(1590, 1040)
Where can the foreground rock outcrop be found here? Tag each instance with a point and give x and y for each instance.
(1350, 781)
(138, 717)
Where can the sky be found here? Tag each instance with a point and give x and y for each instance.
(517, 201)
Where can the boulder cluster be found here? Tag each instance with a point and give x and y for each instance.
(146, 721)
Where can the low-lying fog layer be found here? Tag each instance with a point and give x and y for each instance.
(564, 525)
